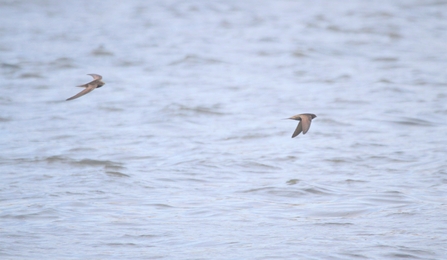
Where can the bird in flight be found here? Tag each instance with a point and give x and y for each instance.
(96, 83)
(304, 125)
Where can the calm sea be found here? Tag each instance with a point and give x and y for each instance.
(185, 153)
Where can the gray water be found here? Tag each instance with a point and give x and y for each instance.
(184, 153)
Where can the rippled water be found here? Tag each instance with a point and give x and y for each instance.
(184, 153)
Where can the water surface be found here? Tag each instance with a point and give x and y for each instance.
(184, 153)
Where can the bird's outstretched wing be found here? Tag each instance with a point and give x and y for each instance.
(305, 121)
(298, 129)
(96, 76)
(88, 88)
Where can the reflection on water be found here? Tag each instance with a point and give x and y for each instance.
(184, 153)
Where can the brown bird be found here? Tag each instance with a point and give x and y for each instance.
(96, 83)
(304, 125)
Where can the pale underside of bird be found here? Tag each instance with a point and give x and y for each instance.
(304, 124)
(96, 83)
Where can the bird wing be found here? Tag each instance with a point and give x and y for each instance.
(96, 79)
(305, 121)
(96, 76)
(87, 89)
(298, 129)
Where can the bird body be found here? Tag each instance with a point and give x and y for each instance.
(96, 83)
(304, 124)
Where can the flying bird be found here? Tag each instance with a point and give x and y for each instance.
(96, 83)
(304, 125)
